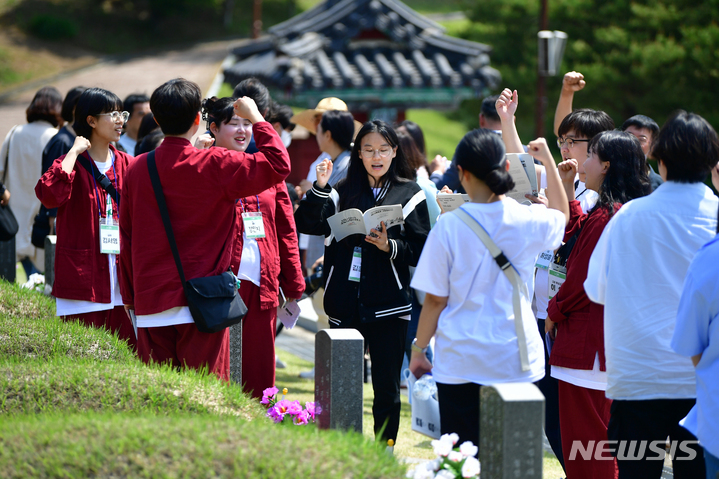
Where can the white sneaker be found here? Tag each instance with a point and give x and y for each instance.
(279, 364)
(308, 374)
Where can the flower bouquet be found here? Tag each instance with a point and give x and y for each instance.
(279, 409)
(452, 462)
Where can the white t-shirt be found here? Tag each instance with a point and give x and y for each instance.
(697, 332)
(249, 268)
(636, 271)
(476, 339)
(68, 307)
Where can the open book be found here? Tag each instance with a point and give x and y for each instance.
(452, 201)
(354, 222)
(521, 168)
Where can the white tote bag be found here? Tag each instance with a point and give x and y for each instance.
(425, 414)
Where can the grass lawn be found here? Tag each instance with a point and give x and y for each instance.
(441, 134)
(76, 402)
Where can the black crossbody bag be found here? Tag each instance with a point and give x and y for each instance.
(215, 303)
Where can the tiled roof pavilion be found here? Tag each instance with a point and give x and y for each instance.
(371, 53)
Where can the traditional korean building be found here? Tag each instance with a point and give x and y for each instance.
(379, 56)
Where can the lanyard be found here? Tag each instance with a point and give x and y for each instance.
(99, 207)
(242, 204)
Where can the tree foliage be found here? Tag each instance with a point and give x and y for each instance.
(639, 57)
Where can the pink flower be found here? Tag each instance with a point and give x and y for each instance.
(275, 413)
(455, 456)
(294, 408)
(268, 395)
(301, 418)
(310, 409)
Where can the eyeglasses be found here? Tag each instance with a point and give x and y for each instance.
(568, 141)
(642, 139)
(116, 115)
(369, 153)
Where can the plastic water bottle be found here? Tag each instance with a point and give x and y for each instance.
(424, 387)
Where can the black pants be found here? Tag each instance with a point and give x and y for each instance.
(385, 340)
(459, 410)
(654, 420)
(550, 388)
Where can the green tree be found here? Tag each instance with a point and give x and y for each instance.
(639, 57)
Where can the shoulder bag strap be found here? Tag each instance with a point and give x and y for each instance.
(7, 155)
(103, 180)
(518, 286)
(157, 188)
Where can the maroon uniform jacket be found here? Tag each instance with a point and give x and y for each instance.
(201, 188)
(580, 322)
(81, 271)
(279, 250)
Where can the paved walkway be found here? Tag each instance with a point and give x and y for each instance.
(142, 74)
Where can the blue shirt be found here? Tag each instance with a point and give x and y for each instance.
(697, 332)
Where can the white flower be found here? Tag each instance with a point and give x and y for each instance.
(455, 456)
(434, 465)
(453, 438)
(442, 447)
(445, 474)
(471, 467)
(468, 449)
(423, 471)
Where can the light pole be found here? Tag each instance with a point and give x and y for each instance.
(551, 51)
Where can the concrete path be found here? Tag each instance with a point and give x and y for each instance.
(142, 74)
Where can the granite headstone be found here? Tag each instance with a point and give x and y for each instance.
(236, 353)
(339, 365)
(50, 242)
(511, 422)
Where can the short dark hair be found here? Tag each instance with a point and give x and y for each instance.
(626, 178)
(175, 105)
(688, 147)
(129, 104)
(641, 121)
(489, 108)
(481, 152)
(415, 132)
(92, 102)
(70, 102)
(149, 142)
(218, 111)
(253, 88)
(341, 125)
(586, 122)
(45, 105)
(281, 114)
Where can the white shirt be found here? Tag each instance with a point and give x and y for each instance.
(476, 339)
(697, 332)
(636, 271)
(128, 144)
(68, 307)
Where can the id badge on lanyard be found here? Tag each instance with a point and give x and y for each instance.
(557, 276)
(544, 259)
(252, 221)
(109, 232)
(356, 267)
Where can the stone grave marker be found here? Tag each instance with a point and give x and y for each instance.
(7, 260)
(510, 437)
(236, 353)
(339, 371)
(50, 242)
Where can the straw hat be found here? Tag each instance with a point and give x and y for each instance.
(309, 118)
